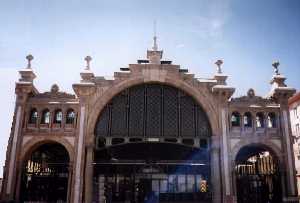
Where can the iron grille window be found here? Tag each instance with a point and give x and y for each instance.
(152, 110)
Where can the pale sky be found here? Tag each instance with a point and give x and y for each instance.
(247, 35)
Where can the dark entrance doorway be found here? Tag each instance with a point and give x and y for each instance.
(257, 176)
(45, 175)
(152, 172)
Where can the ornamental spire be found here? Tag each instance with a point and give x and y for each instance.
(219, 64)
(275, 65)
(88, 60)
(29, 59)
(155, 47)
(154, 55)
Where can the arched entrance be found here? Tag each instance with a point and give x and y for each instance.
(45, 174)
(152, 145)
(257, 175)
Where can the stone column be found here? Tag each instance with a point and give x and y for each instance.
(215, 170)
(79, 158)
(84, 91)
(281, 93)
(290, 165)
(12, 167)
(89, 173)
(222, 93)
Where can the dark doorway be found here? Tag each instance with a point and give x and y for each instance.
(257, 176)
(152, 173)
(45, 175)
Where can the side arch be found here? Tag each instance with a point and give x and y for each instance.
(33, 144)
(45, 166)
(258, 174)
(265, 144)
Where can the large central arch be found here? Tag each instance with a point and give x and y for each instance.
(152, 138)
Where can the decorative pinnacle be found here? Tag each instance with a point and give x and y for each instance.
(275, 65)
(87, 59)
(219, 64)
(29, 59)
(155, 47)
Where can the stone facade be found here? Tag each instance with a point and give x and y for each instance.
(294, 106)
(228, 137)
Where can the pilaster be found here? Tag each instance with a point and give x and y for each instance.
(280, 92)
(23, 88)
(222, 92)
(83, 90)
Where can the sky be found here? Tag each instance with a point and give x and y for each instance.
(247, 35)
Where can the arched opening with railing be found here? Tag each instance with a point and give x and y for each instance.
(45, 174)
(257, 175)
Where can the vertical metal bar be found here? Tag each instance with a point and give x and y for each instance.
(145, 111)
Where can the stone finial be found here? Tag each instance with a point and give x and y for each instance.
(29, 59)
(88, 60)
(251, 93)
(54, 88)
(275, 65)
(219, 64)
(155, 47)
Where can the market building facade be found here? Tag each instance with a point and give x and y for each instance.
(155, 133)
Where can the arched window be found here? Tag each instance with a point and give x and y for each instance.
(70, 118)
(33, 116)
(260, 120)
(45, 117)
(58, 116)
(247, 119)
(271, 120)
(235, 119)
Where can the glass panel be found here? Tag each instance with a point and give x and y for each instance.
(181, 183)
(119, 116)
(170, 107)
(58, 117)
(190, 183)
(33, 116)
(155, 185)
(198, 182)
(187, 116)
(163, 186)
(70, 117)
(154, 114)
(173, 183)
(136, 111)
(46, 117)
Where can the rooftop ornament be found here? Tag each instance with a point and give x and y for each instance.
(54, 88)
(29, 59)
(219, 64)
(87, 59)
(155, 47)
(275, 65)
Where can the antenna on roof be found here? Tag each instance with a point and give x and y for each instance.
(155, 47)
